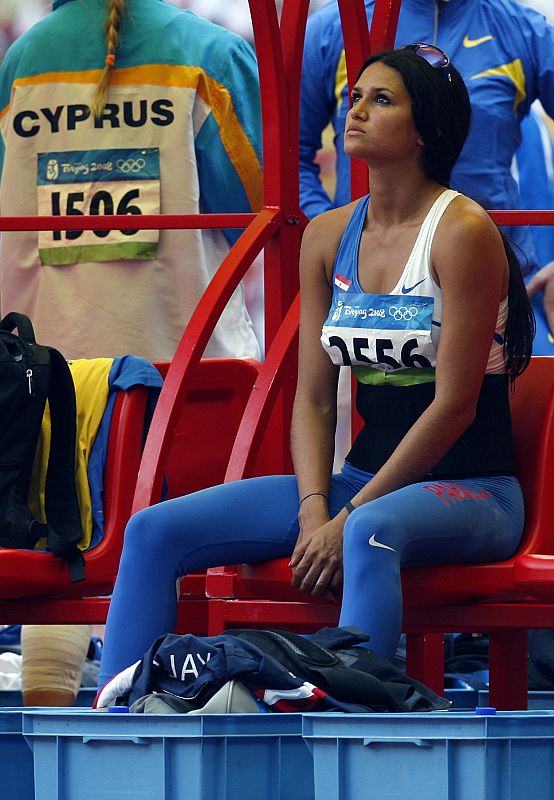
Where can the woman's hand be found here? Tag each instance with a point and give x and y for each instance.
(317, 560)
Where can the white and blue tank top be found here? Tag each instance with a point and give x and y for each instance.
(398, 331)
(391, 342)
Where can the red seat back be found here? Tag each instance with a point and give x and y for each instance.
(208, 423)
(532, 407)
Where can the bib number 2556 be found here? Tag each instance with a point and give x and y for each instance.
(408, 358)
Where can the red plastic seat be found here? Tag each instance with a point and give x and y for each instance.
(27, 577)
(534, 575)
(35, 587)
(200, 451)
(208, 423)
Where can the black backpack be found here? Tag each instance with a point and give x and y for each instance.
(29, 375)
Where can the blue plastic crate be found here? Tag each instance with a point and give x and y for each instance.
(536, 700)
(434, 756)
(89, 755)
(16, 758)
(464, 699)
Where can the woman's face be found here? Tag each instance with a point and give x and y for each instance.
(379, 124)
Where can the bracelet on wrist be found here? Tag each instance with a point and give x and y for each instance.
(349, 507)
(312, 494)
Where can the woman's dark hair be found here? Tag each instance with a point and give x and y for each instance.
(442, 115)
(440, 107)
(520, 325)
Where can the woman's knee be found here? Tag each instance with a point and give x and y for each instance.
(148, 531)
(368, 527)
(370, 538)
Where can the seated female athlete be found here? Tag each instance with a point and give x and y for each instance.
(415, 290)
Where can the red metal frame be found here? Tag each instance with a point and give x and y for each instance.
(279, 367)
(189, 352)
(109, 221)
(278, 227)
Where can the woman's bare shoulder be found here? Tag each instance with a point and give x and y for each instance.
(465, 215)
(464, 223)
(467, 238)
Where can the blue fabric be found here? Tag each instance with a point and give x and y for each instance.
(256, 519)
(126, 372)
(463, 521)
(535, 160)
(512, 32)
(535, 163)
(195, 667)
(10, 635)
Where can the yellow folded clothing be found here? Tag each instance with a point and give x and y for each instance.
(90, 376)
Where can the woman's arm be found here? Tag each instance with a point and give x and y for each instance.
(470, 265)
(315, 405)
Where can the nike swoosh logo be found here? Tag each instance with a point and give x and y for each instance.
(476, 42)
(408, 289)
(374, 543)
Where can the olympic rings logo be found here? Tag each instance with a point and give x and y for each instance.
(131, 164)
(402, 312)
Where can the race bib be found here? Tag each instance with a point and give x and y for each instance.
(383, 331)
(98, 182)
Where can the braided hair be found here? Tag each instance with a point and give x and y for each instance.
(112, 28)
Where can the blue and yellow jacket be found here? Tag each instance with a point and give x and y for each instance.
(97, 382)
(180, 134)
(505, 53)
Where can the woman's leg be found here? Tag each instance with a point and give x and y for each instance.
(247, 521)
(439, 522)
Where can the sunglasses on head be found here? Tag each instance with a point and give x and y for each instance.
(433, 55)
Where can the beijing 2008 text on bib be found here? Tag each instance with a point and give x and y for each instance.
(380, 331)
(98, 182)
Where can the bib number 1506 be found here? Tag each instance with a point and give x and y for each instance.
(101, 202)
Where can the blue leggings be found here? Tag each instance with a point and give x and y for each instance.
(470, 520)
